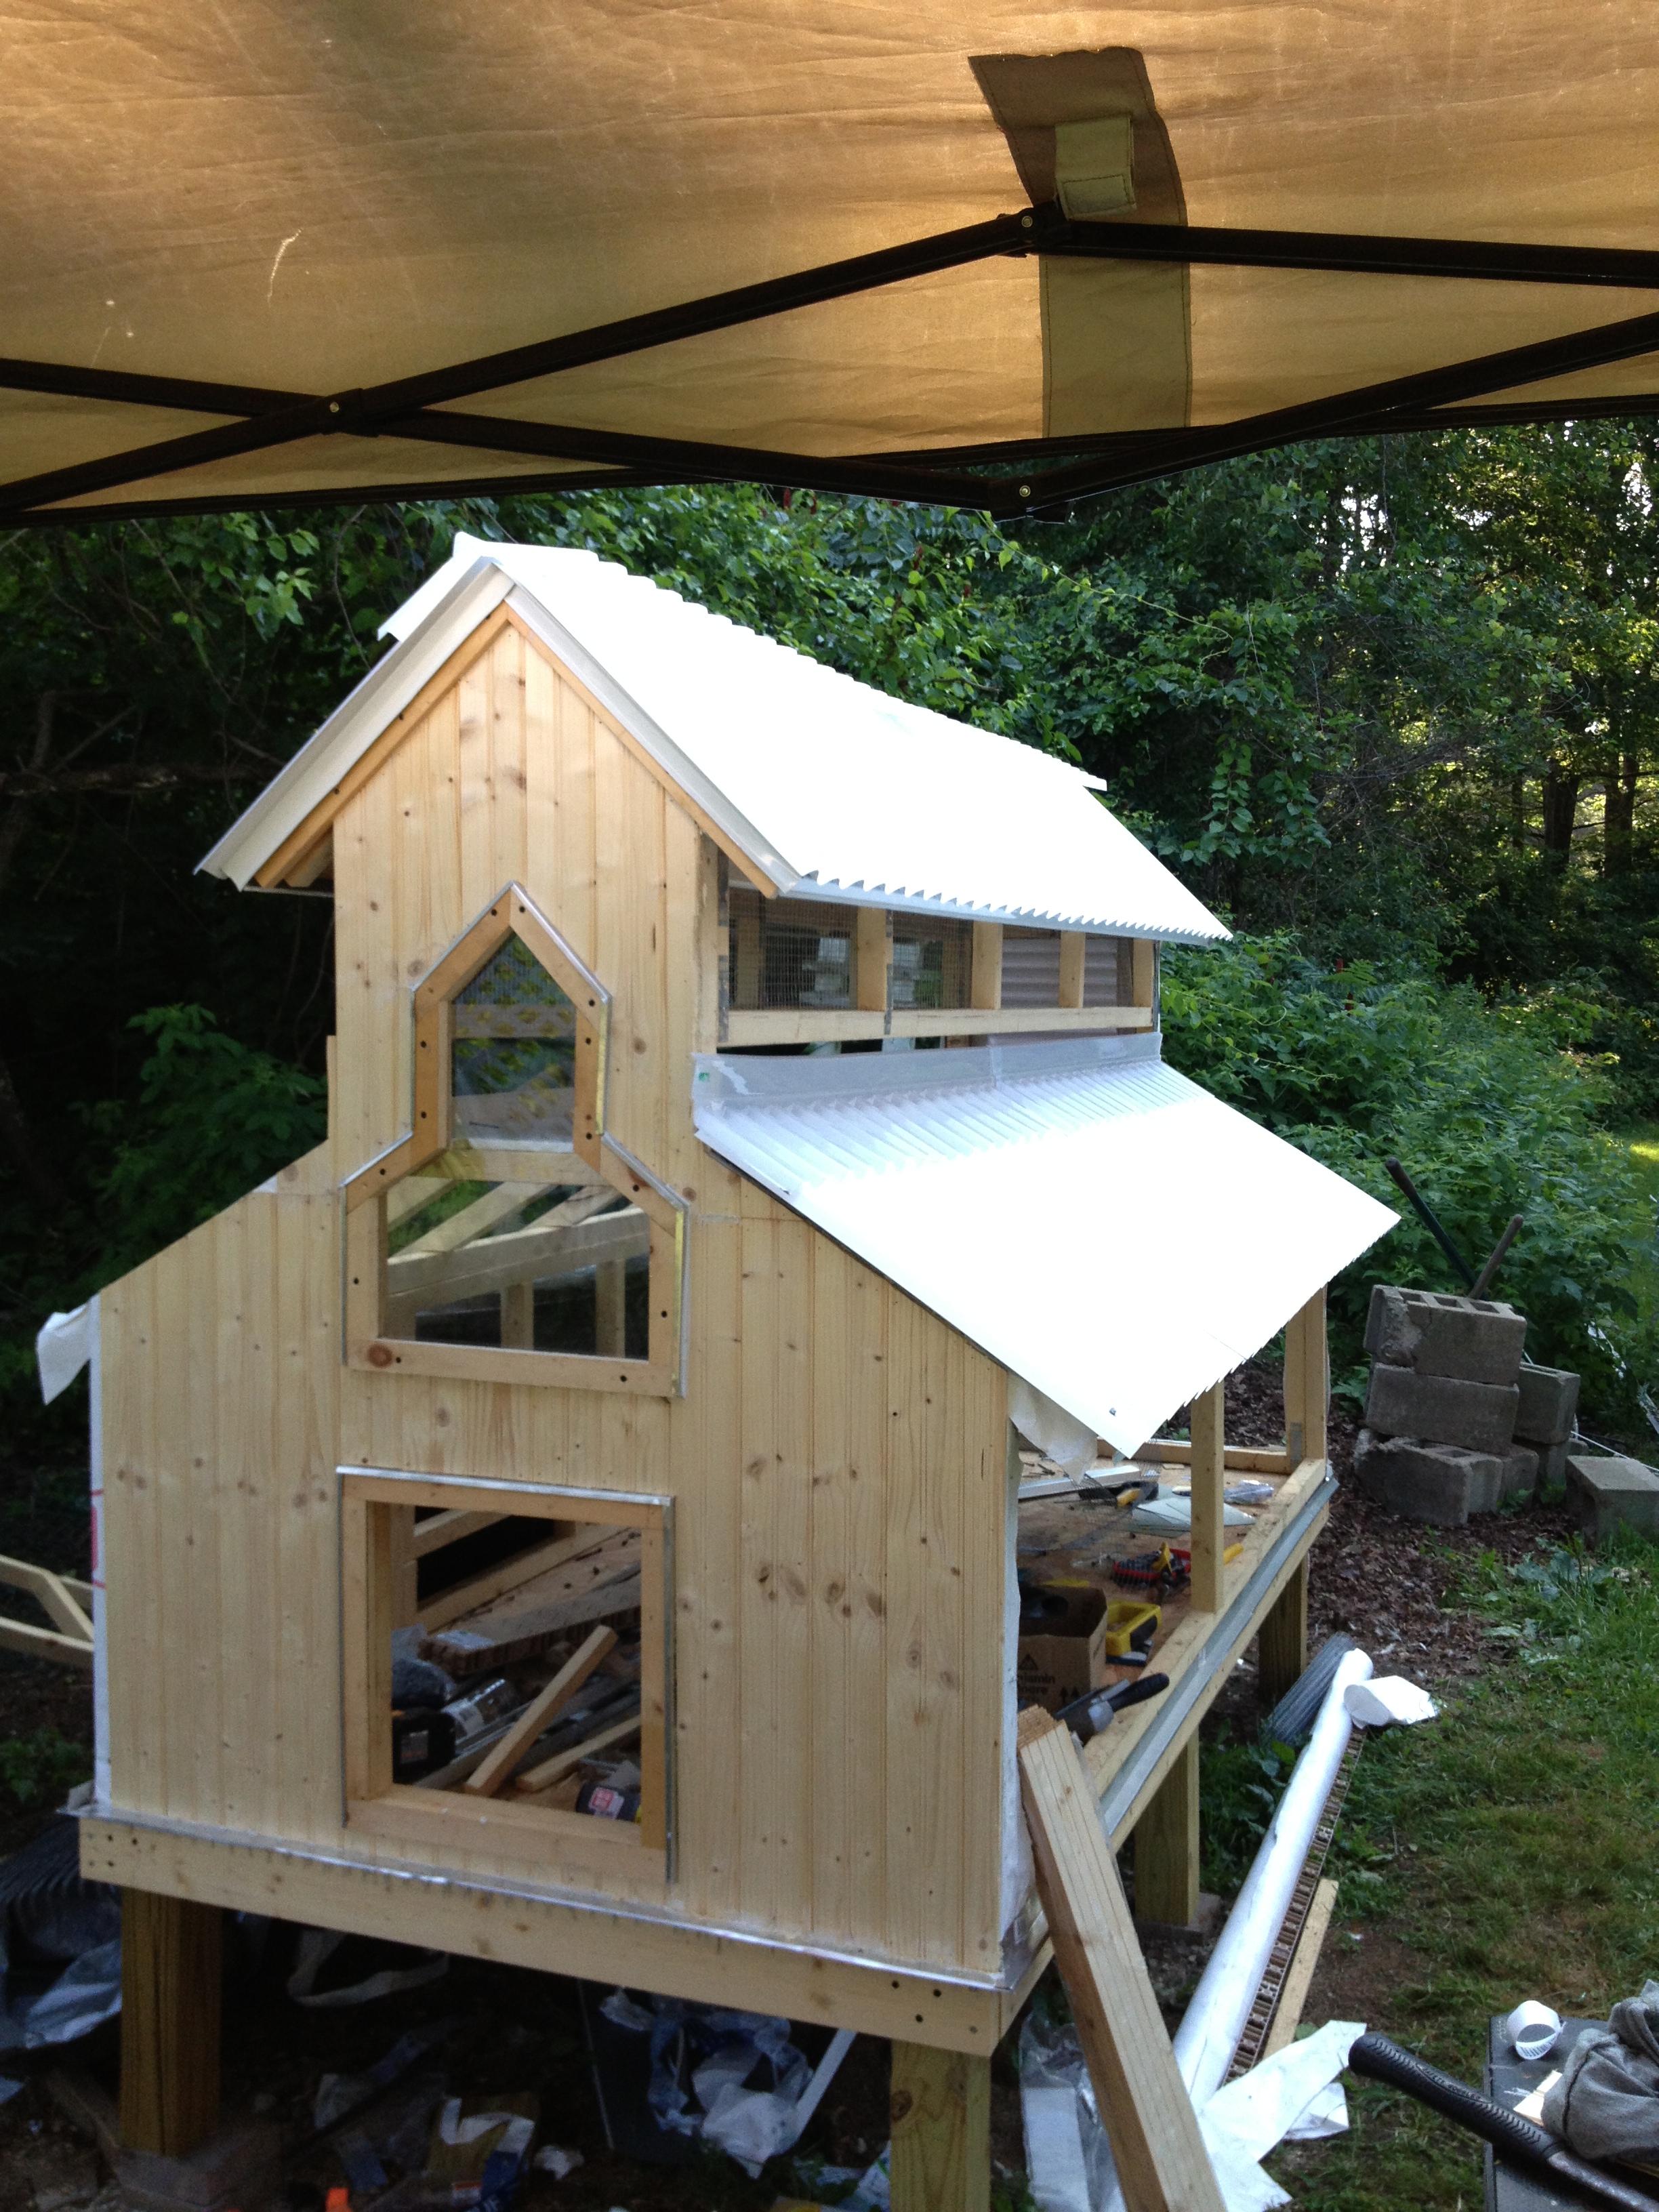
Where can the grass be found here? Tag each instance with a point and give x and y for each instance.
(1509, 1850)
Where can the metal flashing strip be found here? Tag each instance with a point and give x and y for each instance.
(833, 893)
(720, 1082)
(590, 1902)
(671, 758)
(299, 787)
(1126, 1785)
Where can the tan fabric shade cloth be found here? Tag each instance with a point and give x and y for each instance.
(306, 199)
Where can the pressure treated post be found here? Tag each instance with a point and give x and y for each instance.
(941, 2119)
(1282, 1651)
(1307, 1382)
(1209, 1535)
(1161, 2163)
(1166, 1846)
(169, 2022)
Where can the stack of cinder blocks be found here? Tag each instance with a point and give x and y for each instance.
(1453, 1422)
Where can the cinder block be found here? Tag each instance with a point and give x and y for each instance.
(1426, 1481)
(1520, 1471)
(1474, 1339)
(1480, 1416)
(1606, 1494)
(1549, 1404)
(1552, 1467)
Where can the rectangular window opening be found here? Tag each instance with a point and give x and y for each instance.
(509, 1675)
(533, 1266)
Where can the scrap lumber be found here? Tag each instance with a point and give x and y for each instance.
(440, 1529)
(536, 1631)
(1161, 2163)
(480, 1589)
(543, 1777)
(426, 1278)
(66, 1602)
(488, 1777)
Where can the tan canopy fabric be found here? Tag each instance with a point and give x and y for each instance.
(233, 224)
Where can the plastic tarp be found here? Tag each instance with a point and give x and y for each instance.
(1098, 1224)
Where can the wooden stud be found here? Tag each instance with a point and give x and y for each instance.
(609, 1308)
(872, 960)
(498, 1762)
(1074, 956)
(1282, 1650)
(1144, 972)
(1161, 2163)
(519, 1317)
(940, 2110)
(984, 988)
(1209, 1477)
(553, 1770)
(1166, 1846)
(404, 1568)
(170, 1968)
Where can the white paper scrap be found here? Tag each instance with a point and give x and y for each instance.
(1375, 1703)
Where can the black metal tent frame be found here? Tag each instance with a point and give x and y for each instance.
(1017, 482)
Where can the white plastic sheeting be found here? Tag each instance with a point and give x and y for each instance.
(828, 786)
(1096, 1223)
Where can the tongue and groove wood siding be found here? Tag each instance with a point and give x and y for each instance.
(837, 1464)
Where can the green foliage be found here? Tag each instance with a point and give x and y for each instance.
(1240, 1784)
(1490, 1115)
(1513, 1840)
(213, 1119)
(41, 1767)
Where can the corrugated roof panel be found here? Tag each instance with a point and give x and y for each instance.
(1096, 1222)
(835, 789)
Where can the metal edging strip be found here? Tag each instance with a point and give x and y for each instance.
(1126, 1785)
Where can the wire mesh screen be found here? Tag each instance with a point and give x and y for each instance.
(513, 1064)
(789, 953)
(932, 961)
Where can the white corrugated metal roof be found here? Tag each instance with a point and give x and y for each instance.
(1105, 1229)
(827, 786)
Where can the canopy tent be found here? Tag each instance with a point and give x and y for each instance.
(987, 253)
(1116, 1236)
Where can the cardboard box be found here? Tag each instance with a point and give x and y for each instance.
(1068, 1656)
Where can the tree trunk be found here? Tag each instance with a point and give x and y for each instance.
(1620, 834)
(1560, 810)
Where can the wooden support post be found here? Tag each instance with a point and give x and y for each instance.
(1145, 972)
(170, 1951)
(1307, 1382)
(1161, 2163)
(1166, 1846)
(610, 1309)
(941, 2120)
(985, 984)
(1209, 1479)
(1073, 951)
(872, 958)
(1282, 1647)
(519, 1317)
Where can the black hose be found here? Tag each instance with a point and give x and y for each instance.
(1376, 2056)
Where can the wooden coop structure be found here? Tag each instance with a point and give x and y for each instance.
(754, 1210)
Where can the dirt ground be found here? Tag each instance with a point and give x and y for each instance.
(1378, 1578)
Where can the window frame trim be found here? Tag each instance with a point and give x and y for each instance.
(551, 1839)
(366, 1346)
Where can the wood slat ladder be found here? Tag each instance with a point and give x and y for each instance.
(1161, 2163)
